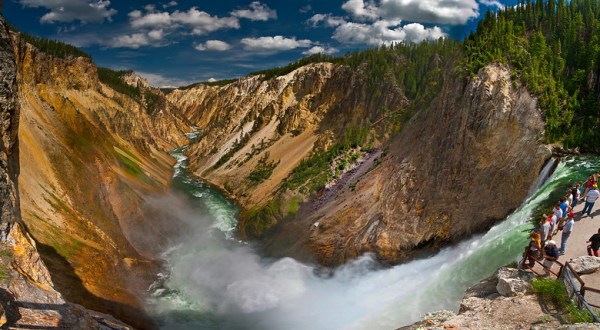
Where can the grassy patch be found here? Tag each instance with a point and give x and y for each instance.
(554, 291)
(315, 172)
(130, 166)
(293, 205)
(260, 220)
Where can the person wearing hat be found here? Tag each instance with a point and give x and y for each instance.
(550, 256)
(591, 198)
(566, 232)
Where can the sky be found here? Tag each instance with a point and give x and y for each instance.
(176, 43)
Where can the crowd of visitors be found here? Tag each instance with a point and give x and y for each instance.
(542, 244)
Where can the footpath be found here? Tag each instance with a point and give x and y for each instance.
(583, 229)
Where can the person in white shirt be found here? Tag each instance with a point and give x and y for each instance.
(591, 198)
(566, 232)
(558, 213)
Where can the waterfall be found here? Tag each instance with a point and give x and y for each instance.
(543, 176)
(213, 281)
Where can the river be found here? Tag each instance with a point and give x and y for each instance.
(213, 281)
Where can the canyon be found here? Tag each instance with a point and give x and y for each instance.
(76, 216)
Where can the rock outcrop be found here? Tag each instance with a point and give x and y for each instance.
(444, 177)
(585, 264)
(484, 307)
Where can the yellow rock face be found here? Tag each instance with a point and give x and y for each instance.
(89, 157)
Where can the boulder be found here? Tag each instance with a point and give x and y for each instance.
(585, 264)
(512, 283)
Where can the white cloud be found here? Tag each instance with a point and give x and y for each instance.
(151, 20)
(257, 12)
(137, 40)
(212, 80)
(361, 10)
(320, 50)
(430, 11)
(384, 32)
(199, 21)
(492, 3)
(156, 34)
(203, 23)
(134, 41)
(161, 81)
(274, 44)
(327, 19)
(216, 45)
(64, 11)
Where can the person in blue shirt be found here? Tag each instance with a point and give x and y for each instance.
(564, 206)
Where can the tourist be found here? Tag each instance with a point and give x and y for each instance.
(532, 252)
(564, 206)
(588, 185)
(592, 196)
(566, 232)
(553, 221)
(595, 244)
(570, 198)
(576, 193)
(550, 256)
(545, 230)
(558, 213)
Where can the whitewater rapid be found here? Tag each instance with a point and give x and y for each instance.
(214, 281)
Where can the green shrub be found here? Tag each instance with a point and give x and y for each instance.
(554, 291)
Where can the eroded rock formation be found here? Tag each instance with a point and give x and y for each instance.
(463, 163)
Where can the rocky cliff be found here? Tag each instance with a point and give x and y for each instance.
(461, 164)
(88, 164)
(271, 125)
(477, 139)
(28, 298)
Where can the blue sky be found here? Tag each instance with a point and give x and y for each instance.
(173, 43)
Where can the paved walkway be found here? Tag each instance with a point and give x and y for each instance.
(583, 229)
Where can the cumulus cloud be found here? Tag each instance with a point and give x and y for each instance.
(320, 50)
(196, 20)
(274, 44)
(492, 3)
(384, 32)
(65, 11)
(361, 10)
(136, 40)
(161, 81)
(256, 12)
(216, 45)
(430, 11)
(327, 19)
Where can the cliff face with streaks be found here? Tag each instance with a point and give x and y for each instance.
(28, 297)
(444, 177)
(90, 157)
(476, 140)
